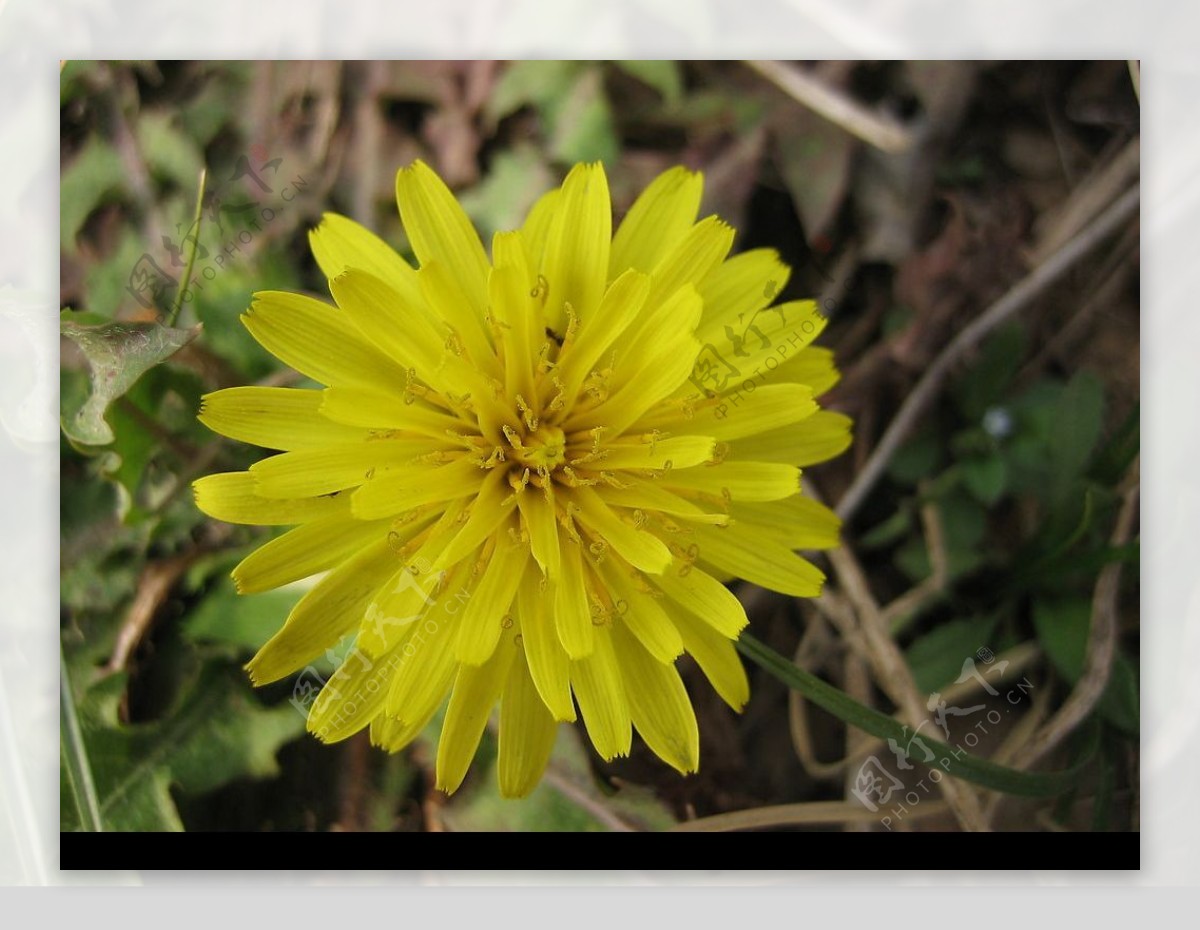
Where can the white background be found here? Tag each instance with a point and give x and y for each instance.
(35, 34)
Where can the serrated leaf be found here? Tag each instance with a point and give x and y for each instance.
(216, 732)
(117, 354)
(1063, 627)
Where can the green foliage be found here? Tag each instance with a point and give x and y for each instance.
(214, 733)
(117, 355)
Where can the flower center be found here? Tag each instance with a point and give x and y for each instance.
(542, 450)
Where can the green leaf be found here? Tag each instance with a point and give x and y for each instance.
(936, 658)
(583, 124)
(216, 732)
(664, 76)
(917, 459)
(94, 176)
(525, 83)
(986, 477)
(245, 622)
(500, 201)
(1063, 627)
(952, 760)
(985, 382)
(118, 354)
(169, 152)
(480, 807)
(1077, 423)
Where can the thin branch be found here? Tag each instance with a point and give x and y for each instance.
(1018, 297)
(840, 109)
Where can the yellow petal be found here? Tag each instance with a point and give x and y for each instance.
(639, 548)
(352, 697)
(738, 481)
(662, 214)
(536, 228)
(274, 418)
(718, 659)
(476, 691)
(311, 472)
(549, 665)
(449, 302)
(440, 231)
(392, 734)
(391, 492)
(314, 547)
(653, 453)
(511, 288)
(796, 523)
(596, 680)
(572, 609)
(398, 324)
(490, 610)
(813, 366)
(658, 333)
(692, 258)
(491, 508)
(527, 733)
(762, 347)
(733, 416)
(340, 243)
(325, 614)
(360, 406)
(739, 288)
(650, 495)
(538, 515)
(740, 550)
(427, 662)
(597, 334)
(658, 704)
(232, 497)
(704, 596)
(318, 341)
(644, 616)
(577, 247)
(816, 439)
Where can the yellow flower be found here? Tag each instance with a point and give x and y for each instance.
(529, 476)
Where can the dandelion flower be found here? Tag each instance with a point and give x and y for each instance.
(528, 476)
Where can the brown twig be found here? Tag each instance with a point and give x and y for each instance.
(871, 127)
(154, 585)
(1017, 297)
(1101, 646)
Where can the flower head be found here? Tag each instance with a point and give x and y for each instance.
(529, 475)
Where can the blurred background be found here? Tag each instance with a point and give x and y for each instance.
(907, 197)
